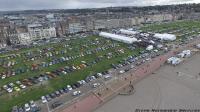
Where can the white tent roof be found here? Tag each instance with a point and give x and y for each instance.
(128, 32)
(165, 36)
(120, 38)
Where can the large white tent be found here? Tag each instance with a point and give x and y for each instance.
(128, 32)
(120, 38)
(165, 36)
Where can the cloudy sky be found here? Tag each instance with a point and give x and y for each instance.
(73, 4)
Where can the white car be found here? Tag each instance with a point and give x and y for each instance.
(132, 66)
(96, 85)
(10, 90)
(99, 74)
(83, 82)
(32, 104)
(27, 107)
(121, 71)
(76, 93)
(93, 78)
(22, 86)
(5, 87)
(107, 77)
(148, 59)
(44, 100)
(18, 82)
(69, 87)
(3, 76)
(64, 72)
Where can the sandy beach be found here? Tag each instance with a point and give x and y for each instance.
(169, 88)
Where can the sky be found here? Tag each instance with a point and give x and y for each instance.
(10, 5)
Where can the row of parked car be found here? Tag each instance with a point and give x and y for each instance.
(53, 62)
(48, 75)
(28, 107)
(137, 60)
(68, 88)
(11, 86)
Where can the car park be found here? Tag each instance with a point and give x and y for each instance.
(67, 71)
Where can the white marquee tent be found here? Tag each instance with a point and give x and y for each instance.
(120, 38)
(165, 36)
(128, 32)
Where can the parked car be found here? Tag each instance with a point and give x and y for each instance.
(27, 107)
(44, 100)
(69, 87)
(16, 88)
(65, 90)
(121, 71)
(48, 98)
(56, 104)
(32, 104)
(15, 109)
(52, 95)
(107, 77)
(57, 93)
(76, 93)
(95, 85)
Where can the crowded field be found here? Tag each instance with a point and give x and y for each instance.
(31, 73)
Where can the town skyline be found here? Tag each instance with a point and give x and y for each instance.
(10, 5)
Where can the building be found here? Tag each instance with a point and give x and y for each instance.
(34, 32)
(4, 32)
(24, 38)
(76, 27)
